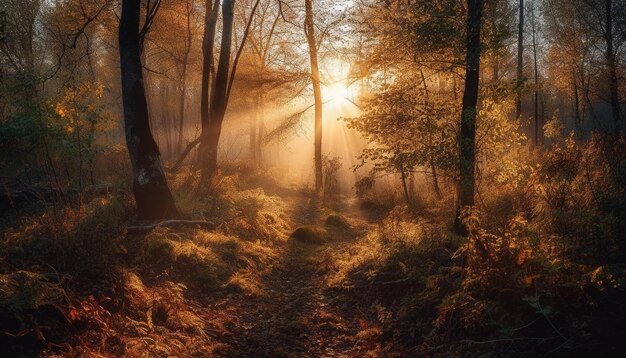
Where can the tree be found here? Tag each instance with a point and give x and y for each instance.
(407, 129)
(170, 58)
(208, 42)
(150, 188)
(571, 55)
(611, 63)
(520, 60)
(309, 31)
(583, 34)
(224, 79)
(262, 43)
(184, 61)
(215, 97)
(533, 23)
(218, 97)
(467, 138)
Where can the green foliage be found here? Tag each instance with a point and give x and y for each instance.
(541, 271)
(405, 129)
(426, 29)
(40, 132)
(22, 291)
(78, 115)
(22, 128)
(66, 240)
(581, 198)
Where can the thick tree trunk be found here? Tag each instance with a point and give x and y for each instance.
(218, 97)
(520, 60)
(208, 43)
(467, 157)
(152, 194)
(309, 30)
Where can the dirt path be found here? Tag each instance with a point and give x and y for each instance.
(297, 316)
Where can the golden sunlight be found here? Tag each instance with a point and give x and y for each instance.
(312, 178)
(335, 92)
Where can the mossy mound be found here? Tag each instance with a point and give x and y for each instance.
(337, 221)
(310, 234)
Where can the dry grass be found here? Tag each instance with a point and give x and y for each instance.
(136, 296)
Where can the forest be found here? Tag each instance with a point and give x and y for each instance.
(312, 178)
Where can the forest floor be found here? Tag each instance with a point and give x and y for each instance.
(274, 279)
(285, 274)
(297, 314)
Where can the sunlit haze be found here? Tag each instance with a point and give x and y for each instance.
(312, 178)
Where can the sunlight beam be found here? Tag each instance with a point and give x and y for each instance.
(336, 92)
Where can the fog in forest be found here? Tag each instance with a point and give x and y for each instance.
(312, 178)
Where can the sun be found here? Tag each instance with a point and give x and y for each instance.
(336, 92)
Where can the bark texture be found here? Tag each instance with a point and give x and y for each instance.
(467, 150)
(219, 99)
(152, 194)
(208, 45)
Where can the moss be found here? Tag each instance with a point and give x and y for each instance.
(310, 234)
(23, 290)
(338, 221)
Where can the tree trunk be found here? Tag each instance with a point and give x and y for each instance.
(152, 194)
(253, 128)
(520, 60)
(467, 157)
(407, 197)
(260, 130)
(536, 92)
(218, 98)
(181, 110)
(183, 86)
(208, 43)
(309, 30)
(433, 169)
(577, 114)
(611, 63)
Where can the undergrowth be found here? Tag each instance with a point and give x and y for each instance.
(542, 271)
(72, 281)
